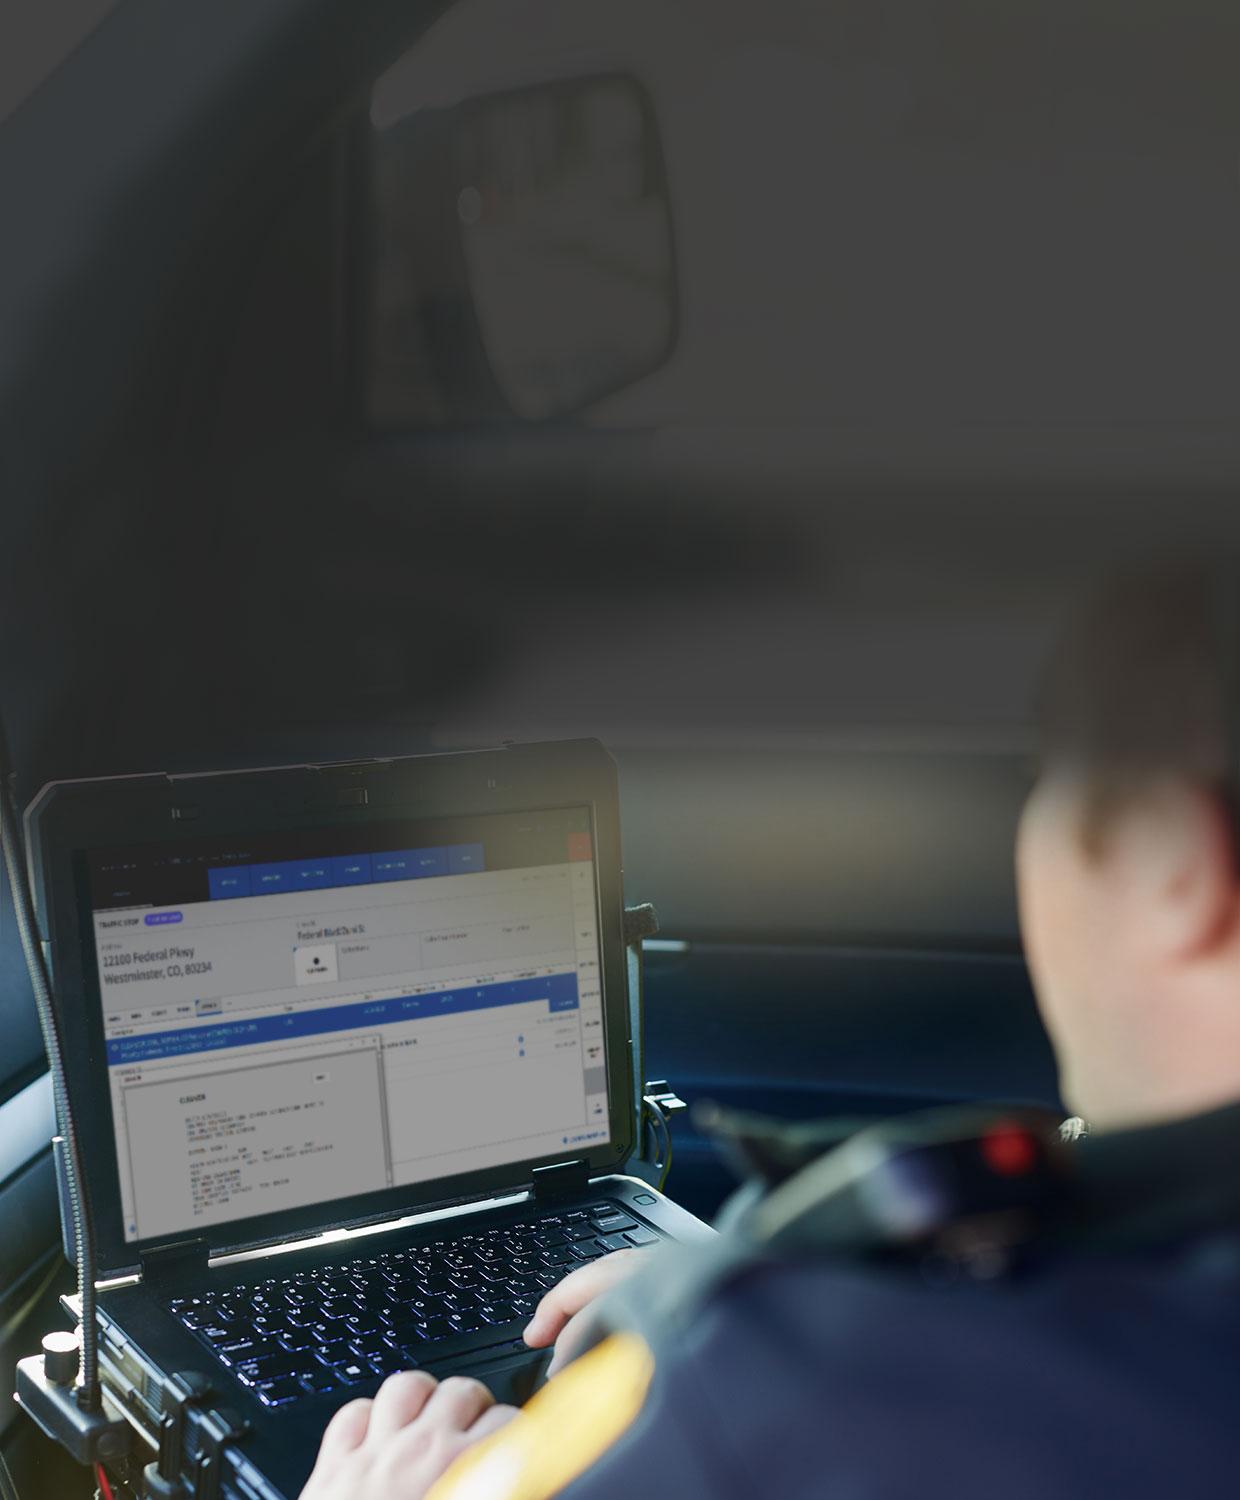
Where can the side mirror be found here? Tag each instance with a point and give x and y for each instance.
(525, 238)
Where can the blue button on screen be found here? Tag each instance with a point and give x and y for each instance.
(427, 862)
(351, 869)
(227, 883)
(343, 869)
(464, 859)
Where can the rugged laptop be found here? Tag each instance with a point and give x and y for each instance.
(300, 1001)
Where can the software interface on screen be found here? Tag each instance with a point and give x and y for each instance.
(310, 1017)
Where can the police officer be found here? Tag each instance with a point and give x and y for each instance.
(963, 1306)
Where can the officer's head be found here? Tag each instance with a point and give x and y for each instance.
(1127, 856)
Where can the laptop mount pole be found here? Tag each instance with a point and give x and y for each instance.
(653, 1101)
(71, 1412)
(640, 923)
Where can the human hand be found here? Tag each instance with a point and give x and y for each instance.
(555, 1318)
(396, 1446)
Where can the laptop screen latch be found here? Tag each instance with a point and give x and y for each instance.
(561, 1180)
(163, 1264)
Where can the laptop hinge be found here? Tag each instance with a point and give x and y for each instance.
(162, 1264)
(562, 1180)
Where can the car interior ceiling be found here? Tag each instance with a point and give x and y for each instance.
(801, 584)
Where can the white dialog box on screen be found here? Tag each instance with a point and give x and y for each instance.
(316, 964)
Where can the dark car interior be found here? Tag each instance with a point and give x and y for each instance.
(752, 388)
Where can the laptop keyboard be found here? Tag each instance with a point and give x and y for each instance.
(341, 1325)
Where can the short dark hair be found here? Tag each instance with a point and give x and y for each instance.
(1143, 684)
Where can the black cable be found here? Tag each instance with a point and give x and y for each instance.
(663, 1129)
(665, 1166)
(79, 1201)
(667, 1160)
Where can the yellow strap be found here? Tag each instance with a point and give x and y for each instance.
(564, 1429)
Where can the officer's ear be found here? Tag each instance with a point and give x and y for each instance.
(1168, 857)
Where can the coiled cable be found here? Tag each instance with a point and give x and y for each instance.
(79, 1201)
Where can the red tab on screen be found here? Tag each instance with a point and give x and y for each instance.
(579, 846)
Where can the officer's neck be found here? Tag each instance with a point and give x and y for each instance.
(1160, 1062)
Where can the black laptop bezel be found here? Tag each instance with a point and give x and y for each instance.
(69, 819)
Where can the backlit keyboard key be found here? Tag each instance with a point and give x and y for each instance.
(613, 1223)
(349, 1323)
(277, 1392)
(641, 1236)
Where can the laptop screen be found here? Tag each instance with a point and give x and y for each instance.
(294, 1019)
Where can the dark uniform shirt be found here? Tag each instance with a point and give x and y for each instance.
(1091, 1373)
(1109, 1379)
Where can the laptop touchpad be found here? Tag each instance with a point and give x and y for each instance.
(512, 1379)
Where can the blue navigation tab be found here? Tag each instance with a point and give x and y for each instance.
(351, 869)
(409, 864)
(269, 880)
(343, 869)
(557, 991)
(395, 865)
(464, 859)
(225, 883)
(428, 862)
